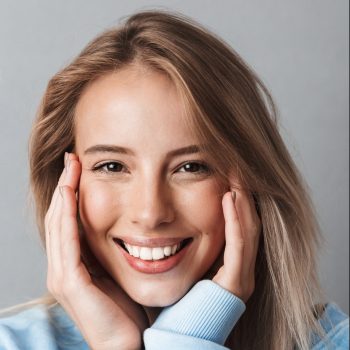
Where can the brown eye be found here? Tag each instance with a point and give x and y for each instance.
(110, 167)
(195, 167)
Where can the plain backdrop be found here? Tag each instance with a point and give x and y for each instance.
(299, 48)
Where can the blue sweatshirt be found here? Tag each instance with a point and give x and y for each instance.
(202, 319)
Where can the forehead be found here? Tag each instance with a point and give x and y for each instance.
(128, 106)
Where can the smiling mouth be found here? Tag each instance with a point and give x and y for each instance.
(153, 253)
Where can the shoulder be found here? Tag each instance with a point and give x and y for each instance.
(40, 327)
(335, 324)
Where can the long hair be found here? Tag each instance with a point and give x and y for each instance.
(232, 114)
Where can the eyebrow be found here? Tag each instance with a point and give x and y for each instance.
(123, 150)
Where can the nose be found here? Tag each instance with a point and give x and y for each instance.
(151, 204)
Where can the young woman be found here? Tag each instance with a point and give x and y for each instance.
(172, 213)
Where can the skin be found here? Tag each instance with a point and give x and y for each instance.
(151, 195)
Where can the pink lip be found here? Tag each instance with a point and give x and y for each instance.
(151, 242)
(153, 267)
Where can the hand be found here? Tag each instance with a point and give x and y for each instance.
(106, 316)
(242, 231)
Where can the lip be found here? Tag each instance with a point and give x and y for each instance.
(157, 266)
(151, 242)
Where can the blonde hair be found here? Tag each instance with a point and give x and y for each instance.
(231, 112)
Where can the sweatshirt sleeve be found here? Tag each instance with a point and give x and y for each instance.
(335, 324)
(202, 319)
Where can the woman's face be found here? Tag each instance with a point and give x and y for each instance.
(149, 205)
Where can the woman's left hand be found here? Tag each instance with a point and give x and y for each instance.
(242, 232)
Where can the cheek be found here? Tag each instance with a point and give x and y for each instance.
(203, 209)
(204, 212)
(95, 201)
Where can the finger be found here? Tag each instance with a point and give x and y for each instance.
(73, 168)
(257, 226)
(90, 261)
(70, 245)
(247, 213)
(47, 247)
(234, 248)
(70, 177)
(61, 181)
(54, 199)
(119, 296)
(255, 218)
(237, 186)
(54, 233)
(250, 224)
(48, 221)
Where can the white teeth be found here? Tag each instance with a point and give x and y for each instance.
(157, 253)
(174, 248)
(147, 253)
(167, 251)
(128, 247)
(135, 251)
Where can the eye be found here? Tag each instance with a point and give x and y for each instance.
(195, 167)
(109, 167)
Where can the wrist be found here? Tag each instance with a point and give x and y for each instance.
(207, 311)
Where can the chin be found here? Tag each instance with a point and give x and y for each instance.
(157, 297)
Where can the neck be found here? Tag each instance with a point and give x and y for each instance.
(152, 313)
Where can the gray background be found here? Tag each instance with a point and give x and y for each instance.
(299, 49)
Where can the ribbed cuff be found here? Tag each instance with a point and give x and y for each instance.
(207, 311)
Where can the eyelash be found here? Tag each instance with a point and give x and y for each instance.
(205, 169)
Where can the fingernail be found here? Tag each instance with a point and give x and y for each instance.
(61, 191)
(233, 194)
(65, 158)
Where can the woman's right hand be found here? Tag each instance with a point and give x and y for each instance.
(104, 313)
